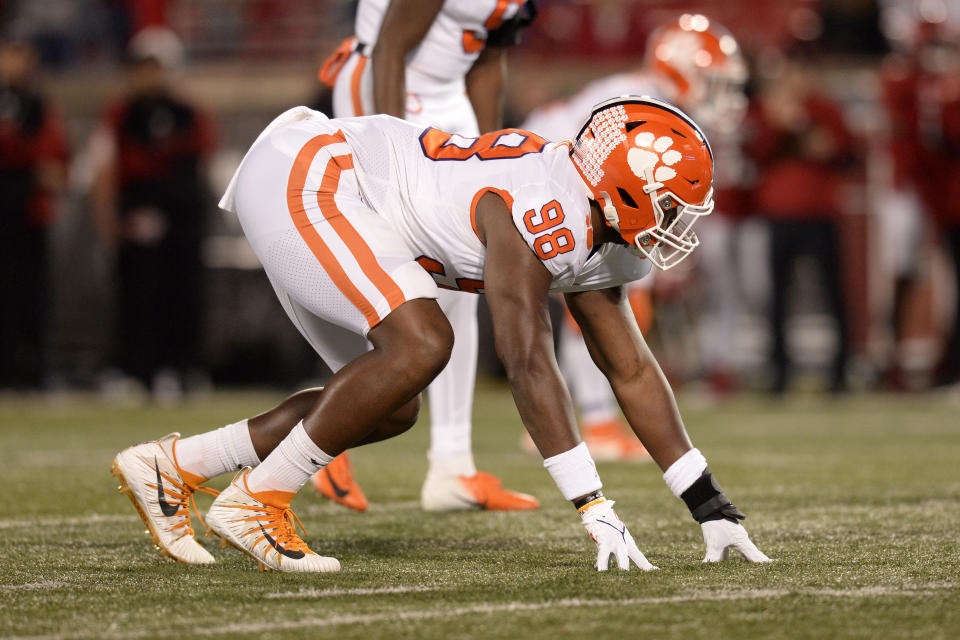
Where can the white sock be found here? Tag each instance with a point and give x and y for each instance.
(685, 471)
(290, 465)
(219, 451)
(460, 464)
(451, 392)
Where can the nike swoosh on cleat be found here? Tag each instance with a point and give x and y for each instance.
(295, 555)
(165, 507)
(336, 488)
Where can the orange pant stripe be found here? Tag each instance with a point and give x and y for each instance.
(295, 187)
(355, 81)
(348, 234)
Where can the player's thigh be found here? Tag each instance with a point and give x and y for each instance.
(322, 247)
(337, 346)
(353, 90)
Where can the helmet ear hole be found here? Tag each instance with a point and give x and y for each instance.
(627, 198)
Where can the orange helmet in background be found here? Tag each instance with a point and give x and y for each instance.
(650, 168)
(703, 61)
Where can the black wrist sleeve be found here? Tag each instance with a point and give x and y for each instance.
(508, 33)
(707, 501)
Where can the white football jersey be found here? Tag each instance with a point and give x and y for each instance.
(428, 183)
(450, 46)
(561, 119)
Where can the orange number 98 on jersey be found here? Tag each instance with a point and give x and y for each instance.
(496, 145)
(549, 245)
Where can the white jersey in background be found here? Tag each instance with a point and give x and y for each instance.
(451, 45)
(435, 70)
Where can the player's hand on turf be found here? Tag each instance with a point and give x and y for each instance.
(722, 535)
(612, 537)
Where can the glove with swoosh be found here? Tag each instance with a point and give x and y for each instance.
(612, 537)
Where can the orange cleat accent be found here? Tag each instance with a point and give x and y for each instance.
(489, 494)
(263, 526)
(610, 441)
(335, 481)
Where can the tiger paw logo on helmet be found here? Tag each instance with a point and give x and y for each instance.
(653, 154)
(631, 153)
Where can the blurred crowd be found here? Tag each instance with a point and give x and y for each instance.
(833, 256)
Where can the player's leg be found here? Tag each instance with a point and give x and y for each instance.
(337, 267)
(453, 482)
(601, 427)
(827, 252)
(783, 246)
(371, 398)
(352, 96)
(721, 298)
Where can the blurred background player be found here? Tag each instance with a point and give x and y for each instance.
(149, 200)
(33, 170)
(695, 63)
(440, 63)
(938, 93)
(799, 137)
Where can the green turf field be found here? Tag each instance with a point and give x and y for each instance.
(859, 499)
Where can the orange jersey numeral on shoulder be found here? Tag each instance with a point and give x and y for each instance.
(496, 145)
(549, 245)
(549, 216)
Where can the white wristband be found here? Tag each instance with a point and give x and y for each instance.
(685, 471)
(574, 472)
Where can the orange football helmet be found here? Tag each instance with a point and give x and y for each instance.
(703, 61)
(650, 168)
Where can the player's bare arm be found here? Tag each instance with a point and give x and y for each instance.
(516, 286)
(403, 27)
(645, 397)
(617, 346)
(485, 82)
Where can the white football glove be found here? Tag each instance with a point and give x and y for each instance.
(612, 537)
(721, 535)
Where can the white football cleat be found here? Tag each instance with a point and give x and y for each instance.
(262, 526)
(160, 493)
(479, 491)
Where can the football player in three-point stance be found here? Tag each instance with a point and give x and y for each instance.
(695, 63)
(350, 217)
(441, 63)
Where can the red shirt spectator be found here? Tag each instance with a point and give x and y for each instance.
(801, 148)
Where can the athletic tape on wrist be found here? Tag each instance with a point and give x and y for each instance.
(574, 472)
(588, 501)
(707, 501)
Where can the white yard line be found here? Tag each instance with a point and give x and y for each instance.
(923, 590)
(45, 585)
(330, 593)
(93, 518)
